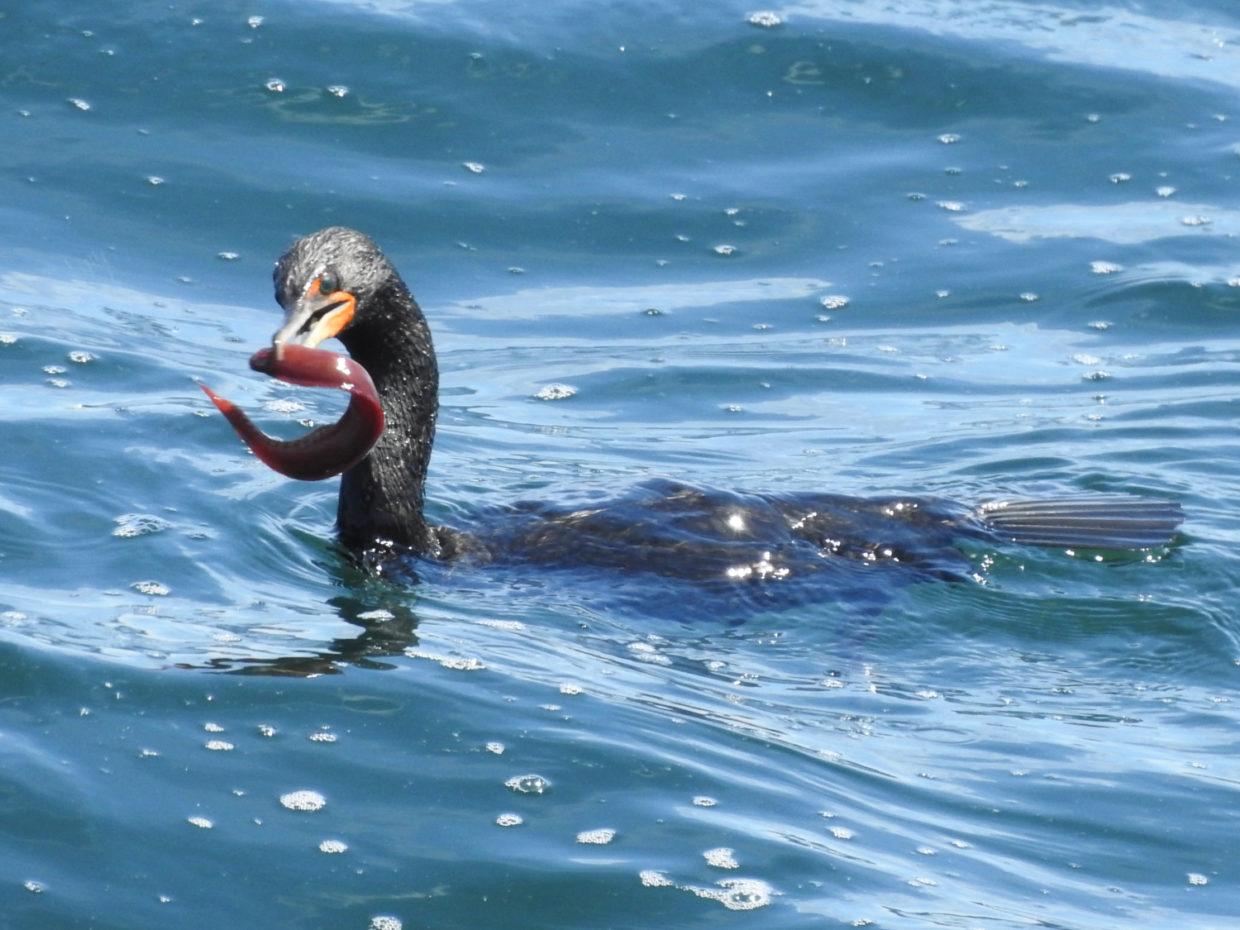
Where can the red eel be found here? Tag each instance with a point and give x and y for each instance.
(327, 450)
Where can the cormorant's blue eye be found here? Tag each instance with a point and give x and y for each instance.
(328, 283)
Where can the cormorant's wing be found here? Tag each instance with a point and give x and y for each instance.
(1084, 522)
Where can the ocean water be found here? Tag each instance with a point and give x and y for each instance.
(972, 251)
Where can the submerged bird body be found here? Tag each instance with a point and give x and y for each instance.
(670, 529)
(337, 282)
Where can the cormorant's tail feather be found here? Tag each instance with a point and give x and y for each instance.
(1085, 522)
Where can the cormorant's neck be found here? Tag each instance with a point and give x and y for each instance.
(381, 497)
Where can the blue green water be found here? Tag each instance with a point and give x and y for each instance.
(934, 247)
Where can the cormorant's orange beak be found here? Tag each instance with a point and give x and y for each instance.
(314, 317)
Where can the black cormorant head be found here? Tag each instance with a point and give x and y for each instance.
(325, 282)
